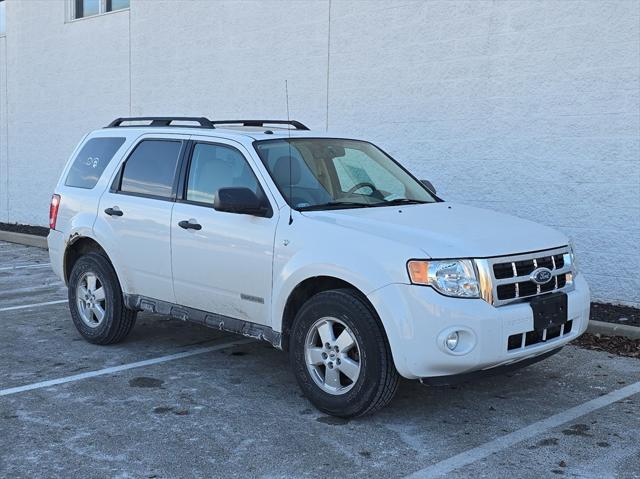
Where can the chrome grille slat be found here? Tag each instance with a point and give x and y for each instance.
(563, 270)
(515, 275)
(519, 287)
(555, 277)
(535, 266)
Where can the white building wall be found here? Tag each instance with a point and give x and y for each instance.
(532, 108)
(4, 177)
(62, 78)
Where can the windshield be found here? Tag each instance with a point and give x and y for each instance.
(327, 173)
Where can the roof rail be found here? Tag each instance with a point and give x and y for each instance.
(296, 124)
(163, 121)
(202, 122)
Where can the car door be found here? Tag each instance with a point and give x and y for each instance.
(135, 214)
(224, 266)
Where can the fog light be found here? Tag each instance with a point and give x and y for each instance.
(451, 340)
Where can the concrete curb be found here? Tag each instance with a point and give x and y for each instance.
(613, 329)
(25, 239)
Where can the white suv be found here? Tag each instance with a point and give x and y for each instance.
(325, 247)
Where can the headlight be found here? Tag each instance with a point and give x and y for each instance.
(455, 277)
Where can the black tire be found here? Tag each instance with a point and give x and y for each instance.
(378, 380)
(118, 320)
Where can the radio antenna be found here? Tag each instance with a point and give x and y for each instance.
(286, 93)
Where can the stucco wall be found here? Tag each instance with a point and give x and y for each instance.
(532, 108)
(4, 177)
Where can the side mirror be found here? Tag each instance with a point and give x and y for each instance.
(239, 200)
(429, 186)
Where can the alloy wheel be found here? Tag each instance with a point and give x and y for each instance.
(332, 355)
(91, 300)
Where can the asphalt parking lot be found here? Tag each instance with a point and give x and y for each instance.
(179, 400)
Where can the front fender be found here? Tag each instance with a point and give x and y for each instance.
(291, 277)
(309, 248)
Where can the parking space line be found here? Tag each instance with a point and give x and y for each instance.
(26, 266)
(470, 456)
(33, 289)
(122, 367)
(34, 305)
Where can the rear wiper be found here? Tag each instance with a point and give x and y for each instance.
(336, 205)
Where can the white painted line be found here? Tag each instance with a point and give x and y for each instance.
(465, 458)
(26, 266)
(122, 367)
(34, 289)
(35, 305)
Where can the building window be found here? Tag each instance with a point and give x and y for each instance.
(89, 8)
(3, 17)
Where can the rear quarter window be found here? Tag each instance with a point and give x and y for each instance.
(90, 163)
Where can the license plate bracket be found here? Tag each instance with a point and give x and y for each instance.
(549, 310)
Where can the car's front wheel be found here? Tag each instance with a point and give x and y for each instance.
(96, 303)
(340, 355)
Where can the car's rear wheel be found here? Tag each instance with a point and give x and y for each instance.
(340, 355)
(96, 303)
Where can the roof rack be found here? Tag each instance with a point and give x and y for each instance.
(296, 124)
(163, 121)
(202, 122)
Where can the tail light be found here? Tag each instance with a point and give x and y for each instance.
(53, 211)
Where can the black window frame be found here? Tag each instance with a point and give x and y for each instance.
(116, 185)
(186, 167)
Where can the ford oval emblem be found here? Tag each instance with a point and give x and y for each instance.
(541, 276)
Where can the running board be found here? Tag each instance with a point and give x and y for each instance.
(204, 318)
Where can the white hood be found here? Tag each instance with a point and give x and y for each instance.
(448, 230)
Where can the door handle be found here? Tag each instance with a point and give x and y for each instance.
(190, 225)
(115, 211)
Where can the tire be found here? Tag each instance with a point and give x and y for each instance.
(117, 320)
(342, 311)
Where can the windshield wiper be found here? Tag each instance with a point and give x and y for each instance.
(350, 204)
(401, 201)
(336, 205)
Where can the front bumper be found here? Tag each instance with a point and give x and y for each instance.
(417, 318)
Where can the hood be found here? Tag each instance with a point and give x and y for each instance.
(447, 230)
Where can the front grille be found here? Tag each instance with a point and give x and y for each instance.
(508, 279)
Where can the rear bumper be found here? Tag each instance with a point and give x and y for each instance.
(55, 241)
(417, 319)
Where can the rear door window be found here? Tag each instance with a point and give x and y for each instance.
(151, 169)
(90, 163)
